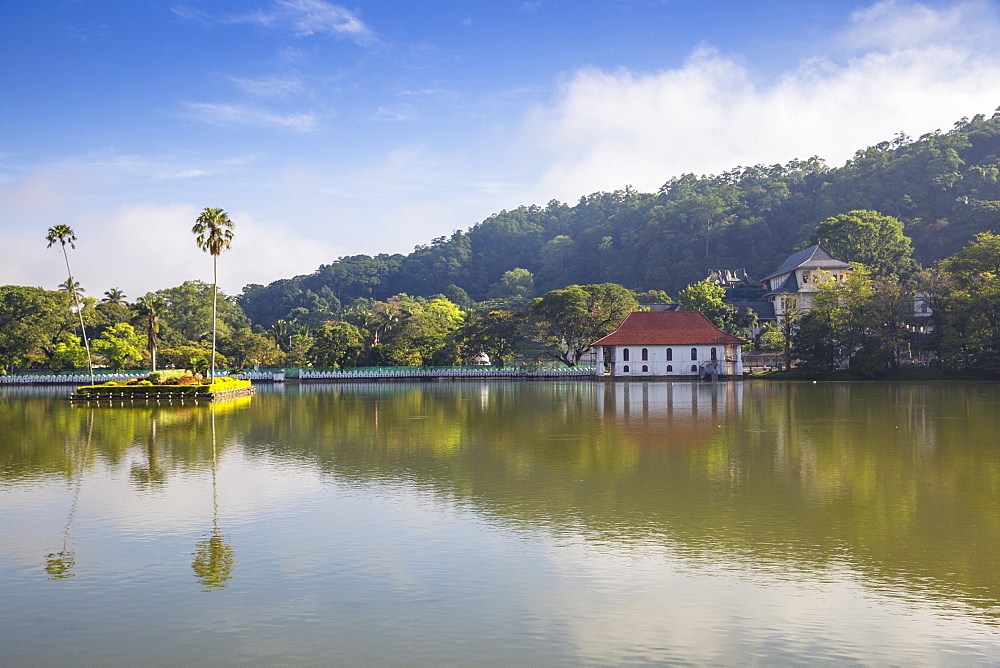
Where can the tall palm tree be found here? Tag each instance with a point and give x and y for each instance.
(281, 332)
(114, 296)
(215, 234)
(64, 235)
(151, 308)
(72, 287)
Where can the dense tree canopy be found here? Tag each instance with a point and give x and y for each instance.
(708, 299)
(31, 319)
(568, 320)
(870, 238)
(337, 344)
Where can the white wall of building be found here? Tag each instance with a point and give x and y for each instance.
(638, 361)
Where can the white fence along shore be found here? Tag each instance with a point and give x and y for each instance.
(310, 375)
(68, 379)
(419, 372)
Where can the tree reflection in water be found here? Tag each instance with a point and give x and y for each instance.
(153, 474)
(214, 557)
(59, 564)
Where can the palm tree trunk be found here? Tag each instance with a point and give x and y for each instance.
(152, 344)
(79, 312)
(215, 295)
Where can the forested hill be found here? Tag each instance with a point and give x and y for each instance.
(943, 186)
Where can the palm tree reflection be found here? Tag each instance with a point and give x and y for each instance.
(59, 564)
(152, 474)
(214, 557)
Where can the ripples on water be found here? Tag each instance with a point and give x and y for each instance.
(505, 523)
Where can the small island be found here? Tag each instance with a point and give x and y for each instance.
(170, 385)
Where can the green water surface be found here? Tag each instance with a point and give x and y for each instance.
(505, 522)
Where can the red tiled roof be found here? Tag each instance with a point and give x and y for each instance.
(681, 328)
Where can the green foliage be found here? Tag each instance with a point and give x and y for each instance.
(499, 334)
(214, 231)
(413, 331)
(120, 346)
(188, 314)
(458, 296)
(298, 353)
(869, 238)
(68, 354)
(772, 339)
(182, 357)
(114, 296)
(861, 322)
(979, 258)
(106, 314)
(31, 319)
(337, 344)
(707, 298)
(244, 348)
(872, 359)
(151, 309)
(653, 297)
(815, 346)
(198, 365)
(567, 321)
(162, 376)
(516, 285)
(964, 294)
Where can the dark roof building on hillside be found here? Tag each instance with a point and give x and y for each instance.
(738, 285)
(743, 292)
(794, 283)
(668, 343)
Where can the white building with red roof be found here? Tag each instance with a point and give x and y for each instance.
(668, 343)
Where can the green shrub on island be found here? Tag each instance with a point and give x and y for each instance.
(162, 376)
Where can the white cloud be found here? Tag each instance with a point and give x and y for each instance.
(310, 17)
(607, 129)
(269, 86)
(239, 115)
(141, 248)
(392, 115)
(893, 24)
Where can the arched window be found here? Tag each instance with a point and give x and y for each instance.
(625, 355)
(645, 354)
(670, 354)
(645, 368)
(714, 355)
(694, 367)
(694, 354)
(670, 367)
(625, 369)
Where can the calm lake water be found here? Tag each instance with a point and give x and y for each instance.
(546, 522)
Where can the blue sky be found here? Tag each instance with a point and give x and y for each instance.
(326, 129)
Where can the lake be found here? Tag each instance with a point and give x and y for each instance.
(505, 522)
